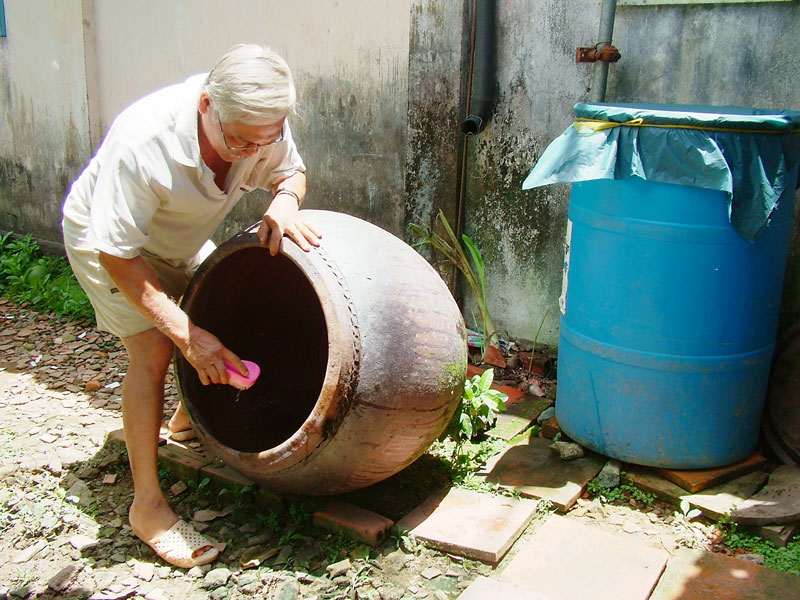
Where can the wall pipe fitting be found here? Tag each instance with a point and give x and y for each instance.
(482, 68)
(600, 72)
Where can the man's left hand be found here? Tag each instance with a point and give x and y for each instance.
(283, 217)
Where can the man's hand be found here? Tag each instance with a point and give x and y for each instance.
(284, 218)
(205, 353)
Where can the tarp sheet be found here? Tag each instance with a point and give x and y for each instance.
(752, 155)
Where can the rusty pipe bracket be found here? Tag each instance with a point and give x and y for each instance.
(602, 52)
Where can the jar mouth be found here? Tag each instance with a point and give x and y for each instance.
(266, 310)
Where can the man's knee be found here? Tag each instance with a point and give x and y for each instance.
(149, 347)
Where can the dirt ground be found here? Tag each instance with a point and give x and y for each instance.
(65, 492)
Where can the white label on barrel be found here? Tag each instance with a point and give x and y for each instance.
(562, 301)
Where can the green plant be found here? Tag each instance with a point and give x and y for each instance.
(478, 408)
(785, 559)
(200, 489)
(472, 267)
(45, 282)
(536, 339)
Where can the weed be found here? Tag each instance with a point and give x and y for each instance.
(45, 282)
(620, 493)
(472, 267)
(200, 489)
(478, 408)
(338, 546)
(785, 559)
(269, 520)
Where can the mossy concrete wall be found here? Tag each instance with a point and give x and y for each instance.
(382, 90)
(721, 54)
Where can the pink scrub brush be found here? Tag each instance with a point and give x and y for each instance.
(238, 380)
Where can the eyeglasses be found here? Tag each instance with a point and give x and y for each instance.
(249, 145)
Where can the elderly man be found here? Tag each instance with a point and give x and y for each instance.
(137, 223)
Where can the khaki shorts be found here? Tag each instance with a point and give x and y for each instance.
(113, 311)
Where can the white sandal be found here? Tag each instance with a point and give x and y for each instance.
(178, 545)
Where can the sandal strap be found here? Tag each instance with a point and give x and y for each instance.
(180, 541)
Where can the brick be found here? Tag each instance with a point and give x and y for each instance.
(468, 523)
(185, 464)
(224, 478)
(567, 560)
(696, 480)
(116, 438)
(550, 428)
(359, 523)
(698, 575)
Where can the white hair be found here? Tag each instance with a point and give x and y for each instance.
(252, 84)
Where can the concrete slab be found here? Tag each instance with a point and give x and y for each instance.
(697, 480)
(483, 588)
(567, 560)
(535, 471)
(468, 523)
(777, 534)
(778, 502)
(698, 575)
(713, 502)
(517, 418)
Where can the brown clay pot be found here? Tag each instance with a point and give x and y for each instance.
(362, 350)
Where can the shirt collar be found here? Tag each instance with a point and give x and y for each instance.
(186, 145)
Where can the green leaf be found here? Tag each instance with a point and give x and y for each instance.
(485, 381)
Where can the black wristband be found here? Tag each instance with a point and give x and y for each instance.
(290, 192)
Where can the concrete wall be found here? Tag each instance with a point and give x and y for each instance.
(381, 86)
(45, 137)
(349, 59)
(724, 54)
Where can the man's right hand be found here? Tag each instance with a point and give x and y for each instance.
(206, 354)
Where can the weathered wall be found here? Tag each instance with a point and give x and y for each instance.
(381, 86)
(42, 95)
(734, 54)
(349, 59)
(350, 64)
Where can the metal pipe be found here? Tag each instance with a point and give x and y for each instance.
(482, 68)
(600, 72)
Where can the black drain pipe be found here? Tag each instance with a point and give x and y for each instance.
(481, 68)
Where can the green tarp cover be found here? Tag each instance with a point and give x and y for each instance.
(750, 154)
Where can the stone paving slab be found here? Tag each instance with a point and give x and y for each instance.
(517, 418)
(483, 588)
(777, 502)
(713, 502)
(697, 480)
(777, 534)
(566, 560)
(534, 470)
(698, 575)
(468, 523)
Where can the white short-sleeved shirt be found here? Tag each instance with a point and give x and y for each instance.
(147, 188)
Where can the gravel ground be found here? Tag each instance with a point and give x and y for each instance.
(65, 492)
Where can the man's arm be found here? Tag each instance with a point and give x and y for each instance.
(137, 281)
(283, 216)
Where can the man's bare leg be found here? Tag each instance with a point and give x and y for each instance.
(150, 353)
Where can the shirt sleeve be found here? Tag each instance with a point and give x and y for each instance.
(122, 204)
(279, 162)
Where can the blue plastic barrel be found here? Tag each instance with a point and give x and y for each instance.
(678, 232)
(669, 323)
